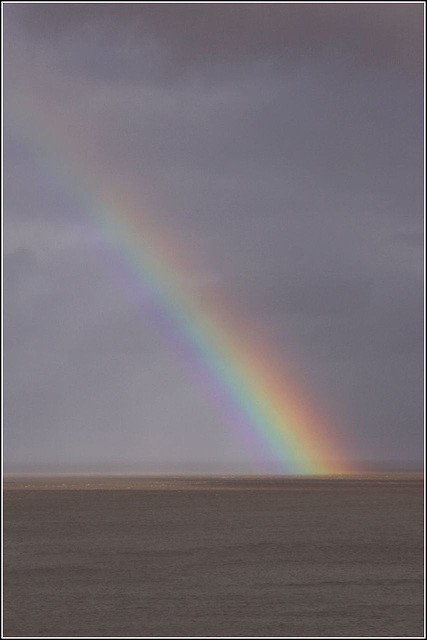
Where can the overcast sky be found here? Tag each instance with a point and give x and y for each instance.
(281, 146)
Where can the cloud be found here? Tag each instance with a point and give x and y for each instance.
(279, 147)
(198, 34)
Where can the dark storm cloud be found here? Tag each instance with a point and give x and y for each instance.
(390, 33)
(281, 147)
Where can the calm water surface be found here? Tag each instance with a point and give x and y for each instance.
(224, 557)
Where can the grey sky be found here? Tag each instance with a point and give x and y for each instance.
(282, 146)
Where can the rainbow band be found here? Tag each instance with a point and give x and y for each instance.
(246, 378)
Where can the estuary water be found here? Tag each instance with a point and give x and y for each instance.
(220, 556)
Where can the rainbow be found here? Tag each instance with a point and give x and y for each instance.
(256, 395)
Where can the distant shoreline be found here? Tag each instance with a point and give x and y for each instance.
(217, 482)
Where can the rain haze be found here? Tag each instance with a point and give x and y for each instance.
(281, 148)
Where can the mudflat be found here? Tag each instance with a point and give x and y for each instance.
(214, 556)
